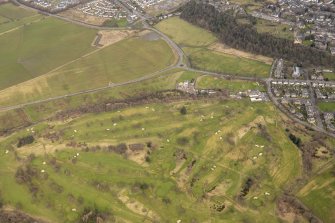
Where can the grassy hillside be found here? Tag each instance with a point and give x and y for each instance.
(275, 29)
(154, 182)
(184, 33)
(13, 12)
(230, 64)
(126, 60)
(318, 194)
(196, 43)
(13, 17)
(37, 48)
(234, 86)
(194, 163)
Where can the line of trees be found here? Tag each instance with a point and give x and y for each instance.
(245, 36)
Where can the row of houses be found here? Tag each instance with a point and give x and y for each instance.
(289, 82)
(312, 20)
(51, 5)
(329, 120)
(147, 3)
(291, 93)
(104, 9)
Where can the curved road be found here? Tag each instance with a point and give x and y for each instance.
(179, 64)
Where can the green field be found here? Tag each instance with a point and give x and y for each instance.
(250, 5)
(35, 49)
(230, 64)
(13, 12)
(184, 33)
(275, 29)
(230, 141)
(160, 187)
(195, 42)
(116, 23)
(50, 52)
(12, 17)
(120, 62)
(39, 112)
(327, 106)
(234, 86)
(144, 152)
(329, 75)
(318, 194)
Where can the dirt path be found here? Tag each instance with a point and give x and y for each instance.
(19, 27)
(51, 73)
(220, 47)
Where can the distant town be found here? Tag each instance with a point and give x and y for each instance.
(297, 89)
(313, 20)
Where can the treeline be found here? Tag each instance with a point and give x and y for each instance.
(245, 37)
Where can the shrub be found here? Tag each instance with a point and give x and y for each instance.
(25, 141)
(183, 110)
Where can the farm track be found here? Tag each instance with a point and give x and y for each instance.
(179, 64)
(20, 26)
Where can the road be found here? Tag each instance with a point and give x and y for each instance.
(110, 86)
(179, 64)
(316, 110)
(274, 100)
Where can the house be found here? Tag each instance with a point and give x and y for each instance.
(332, 51)
(187, 86)
(299, 115)
(276, 92)
(311, 120)
(321, 45)
(298, 37)
(329, 120)
(296, 72)
(304, 93)
(284, 101)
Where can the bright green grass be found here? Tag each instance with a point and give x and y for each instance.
(161, 122)
(327, 106)
(184, 33)
(116, 23)
(188, 76)
(224, 63)
(38, 48)
(319, 195)
(209, 82)
(329, 75)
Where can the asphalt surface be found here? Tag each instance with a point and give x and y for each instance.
(179, 64)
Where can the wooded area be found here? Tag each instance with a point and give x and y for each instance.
(245, 37)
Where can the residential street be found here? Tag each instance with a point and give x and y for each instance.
(185, 65)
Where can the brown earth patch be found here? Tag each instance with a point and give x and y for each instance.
(220, 47)
(14, 216)
(244, 130)
(109, 37)
(136, 206)
(75, 14)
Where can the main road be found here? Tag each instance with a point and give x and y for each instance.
(181, 63)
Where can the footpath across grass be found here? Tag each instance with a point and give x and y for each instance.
(229, 64)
